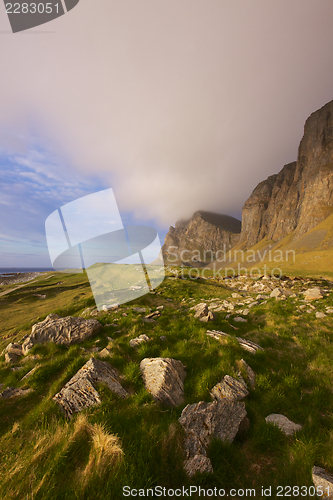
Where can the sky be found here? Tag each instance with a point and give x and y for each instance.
(177, 105)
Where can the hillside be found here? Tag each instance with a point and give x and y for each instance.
(139, 443)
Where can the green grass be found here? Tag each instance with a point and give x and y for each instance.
(43, 456)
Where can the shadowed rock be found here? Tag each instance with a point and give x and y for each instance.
(80, 391)
(59, 330)
(13, 392)
(163, 378)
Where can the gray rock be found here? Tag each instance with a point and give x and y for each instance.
(230, 388)
(313, 294)
(13, 392)
(200, 310)
(59, 330)
(13, 353)
(80, 391)
(249, 372)
(239, 319)
(27, 375)
(139, 309)
(286, 425)
(203, 421)
(155, 314)
(320, 315)
(209, 317)
(163, 338)
(324, 480)
(139, 340)
(276, 293)
(163, 379)
(246, 344)
(198, 463)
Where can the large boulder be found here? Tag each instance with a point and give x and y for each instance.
(203, 421)
(60, 330)
(80, 392)
(163, 378)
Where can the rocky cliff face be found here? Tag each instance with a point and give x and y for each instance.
(300, 196)
(296, 200)
(197, 240)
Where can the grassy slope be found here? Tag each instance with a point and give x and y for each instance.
(313, 254)
(43, 456)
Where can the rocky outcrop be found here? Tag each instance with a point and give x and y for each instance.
(197, 240)
(163, 379)
(13, 353)
(80, 392)
(289, 201)
(59, 330)
(323, 482)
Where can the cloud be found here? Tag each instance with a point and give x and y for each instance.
(177, 106)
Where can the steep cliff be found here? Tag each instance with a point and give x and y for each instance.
(197, 240)
(300, 196)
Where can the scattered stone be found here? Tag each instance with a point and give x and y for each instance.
(200, 310)
(159, 308)
(13, 392)
(13, 353)
(27, 375)
(209, 317)
(40, 296)
(313, 294)
(125, 315)
(329, 310)
(163, 337)
(249, 372)
(80, 391)
(155, 314)
(323, 480)
(139, 340)
(276, 293)
(16, 369)
(246, 344)
(236, 296)
(105, 353)
(203, 421)
(230, 388)
(286, 425)
(163, 379)
(109, 307)
(198, 463)
(59, 330)
(139, 309)
(110, 339)
(320, 315)
(239, 319)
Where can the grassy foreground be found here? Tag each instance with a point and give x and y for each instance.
(135, 442)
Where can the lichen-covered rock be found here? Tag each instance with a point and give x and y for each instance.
(163, 379)
(80, 392)
(60, 330)
(229, 388)
(286, 425)
(323, 480)
(203, 421)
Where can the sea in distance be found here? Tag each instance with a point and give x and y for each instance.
(15, 270)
